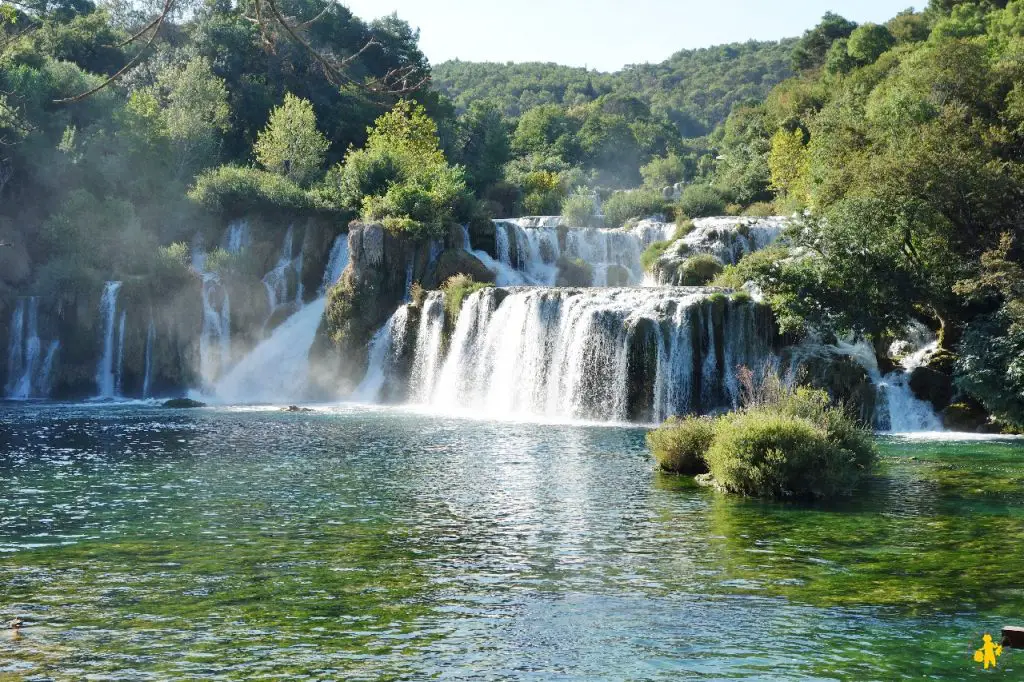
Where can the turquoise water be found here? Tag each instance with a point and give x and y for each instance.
(356, 543)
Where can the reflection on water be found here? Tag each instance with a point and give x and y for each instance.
(141, 543)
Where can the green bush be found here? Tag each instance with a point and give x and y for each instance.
(784, 442)
(680, 444)
(760, 209)
(235, 190)
(741, 296)
(574, 272)
(700, 269)
(652, 253)
(701, 201)
(578, 211)
(684, 226)
(776, 455)
(622, 206)
(456, 289)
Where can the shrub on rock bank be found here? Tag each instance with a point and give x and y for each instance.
(785, 442)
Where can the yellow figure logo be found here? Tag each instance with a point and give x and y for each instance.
(988, 653)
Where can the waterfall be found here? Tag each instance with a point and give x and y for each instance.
(428, 348)
(649, 231)
(336, 263)
(407, 296)
(897, 410)
(215, 338)
(238, 236)
(729, 239)
(28, 371)
(277, 370)
(466, 244)
(108, 371)
(529, 249)
(147, 378)
(385, 348)
(287, 270)
(906, 412)
(600, 354)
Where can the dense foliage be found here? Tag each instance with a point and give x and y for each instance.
(694, 89)
(784, 442)
(904, 143)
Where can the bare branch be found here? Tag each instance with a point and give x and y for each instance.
(394, 82)
(156, 25)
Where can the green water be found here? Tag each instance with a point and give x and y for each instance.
(144, 544)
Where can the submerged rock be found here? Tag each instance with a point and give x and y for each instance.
(183, 403)
(296, 408)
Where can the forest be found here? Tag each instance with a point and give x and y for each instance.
(125, 131)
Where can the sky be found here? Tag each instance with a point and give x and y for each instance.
(605, 34)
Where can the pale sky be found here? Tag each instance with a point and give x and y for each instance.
(605, 34)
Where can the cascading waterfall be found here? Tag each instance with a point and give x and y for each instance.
(215, 339)
(108, 370)
(602, 354)
(277, 370)
(238, 236)
(287, 270)
(28, 369)
(386, 347)
(428, 348)
(336, 263)
(528, 250)
(147, 377)
(897, 409)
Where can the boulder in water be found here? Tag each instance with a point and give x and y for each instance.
(183, 403)
(296, 408)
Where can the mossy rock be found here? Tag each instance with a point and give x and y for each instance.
(458, 262)
(966, 417)
(574, 272)
(618, 276)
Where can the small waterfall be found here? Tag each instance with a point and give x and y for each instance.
(897, 410)
(287, 272)
(336, 263)
(466, 244)
(147, 378)
(277, 370)
(605, 248)
(407, 296)
(215, 339)
(385, 348)
(906, 412)
(428, 348)
(600, 354)
(649, 231)
(238, 236)
(108, 371)
(119, 365)
(729, 239)
(28, 370)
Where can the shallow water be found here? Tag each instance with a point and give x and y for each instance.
(362, 543)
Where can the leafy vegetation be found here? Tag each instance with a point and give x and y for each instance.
(681, 444)
(622, 207)
(785, 442)
(456, 289)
